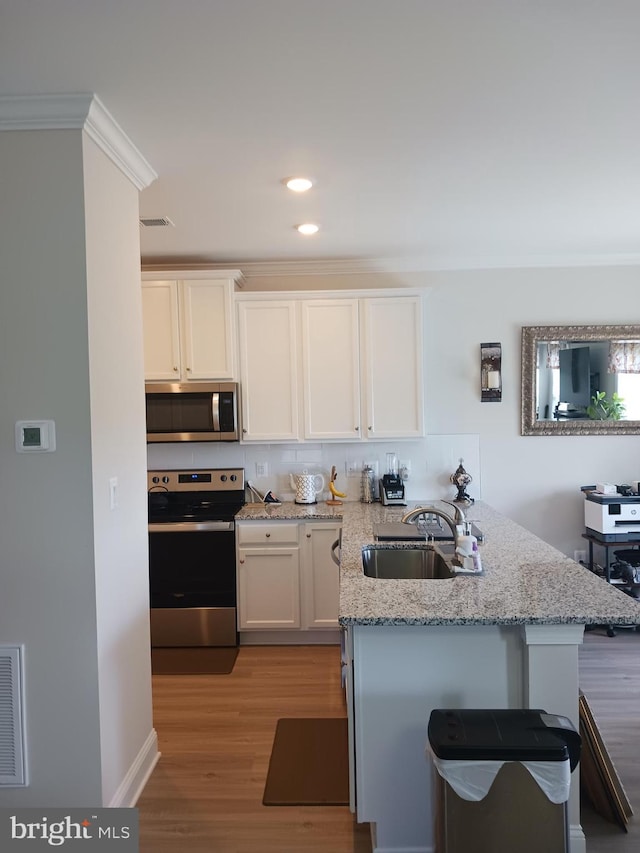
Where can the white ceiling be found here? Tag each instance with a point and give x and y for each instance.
(441, 133)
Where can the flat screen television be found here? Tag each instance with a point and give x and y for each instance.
(575, 382)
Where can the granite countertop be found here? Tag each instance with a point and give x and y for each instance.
(525, 580)
(289, 510)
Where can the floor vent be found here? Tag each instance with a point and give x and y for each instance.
(12, 736)
(156, 222)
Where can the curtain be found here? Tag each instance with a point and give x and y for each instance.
(624, 357)
(553, 355)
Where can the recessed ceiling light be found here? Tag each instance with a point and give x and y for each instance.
(299, 185)
(308, 228)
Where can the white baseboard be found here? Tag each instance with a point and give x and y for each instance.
(373, 829)
(138, 774)
(577, 839)
(290, 638)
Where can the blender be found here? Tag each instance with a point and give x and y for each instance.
(391, 485)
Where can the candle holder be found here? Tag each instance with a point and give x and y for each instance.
(491, 373)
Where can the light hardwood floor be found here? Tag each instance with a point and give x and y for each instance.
(215, 735)
(610, 679)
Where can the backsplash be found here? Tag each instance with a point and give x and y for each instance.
(431, 461)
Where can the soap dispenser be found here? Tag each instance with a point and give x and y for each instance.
(467, 549)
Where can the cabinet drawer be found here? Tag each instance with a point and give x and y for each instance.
(268, 534)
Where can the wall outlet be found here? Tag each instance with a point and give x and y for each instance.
(405, 469)
(580, 557)
(352, 469)
(262, 469)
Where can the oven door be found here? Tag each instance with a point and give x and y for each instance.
(192, 580)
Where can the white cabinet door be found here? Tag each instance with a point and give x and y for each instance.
(320, 576)
(189, 328)
(268, 349)
(393, 371)
(207, 335)
(160, 330)
(268, 588)
(331, 369)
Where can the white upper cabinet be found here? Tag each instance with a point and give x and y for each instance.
(392, 367)
(268, 354)
(189, 326)
(161, 330)
(331, 369)
(207, 343)
(319, 368)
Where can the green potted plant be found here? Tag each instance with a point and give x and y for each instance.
(603, 408)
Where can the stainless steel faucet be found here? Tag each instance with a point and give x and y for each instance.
(455, 524)
(458, 519)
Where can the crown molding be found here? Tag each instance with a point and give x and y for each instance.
(193, 273)
(111, 138)
(78, 111)
(304, 268)
(414, 264)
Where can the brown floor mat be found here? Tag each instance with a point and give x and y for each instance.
(193, 661)
(309, 763)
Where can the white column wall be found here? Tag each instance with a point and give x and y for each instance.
(118, 450)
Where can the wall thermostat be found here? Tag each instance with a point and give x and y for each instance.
(38, 436)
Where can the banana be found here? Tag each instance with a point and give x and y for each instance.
(335, 492)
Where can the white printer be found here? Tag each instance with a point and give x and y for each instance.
(612, 518)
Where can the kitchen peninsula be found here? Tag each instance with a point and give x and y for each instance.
(507, 639)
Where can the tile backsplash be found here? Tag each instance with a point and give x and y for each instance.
(431, 462)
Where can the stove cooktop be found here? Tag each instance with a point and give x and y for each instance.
(210, 494)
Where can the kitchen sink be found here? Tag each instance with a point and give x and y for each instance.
(407, 563)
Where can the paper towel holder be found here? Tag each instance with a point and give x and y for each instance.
(491, 373)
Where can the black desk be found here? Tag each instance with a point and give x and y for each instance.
(607, 546)
(594, 540)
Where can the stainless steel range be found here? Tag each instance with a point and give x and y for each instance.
(192, 556)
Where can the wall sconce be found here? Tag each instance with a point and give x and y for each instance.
(491, 373)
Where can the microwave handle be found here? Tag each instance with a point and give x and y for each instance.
(215, 410)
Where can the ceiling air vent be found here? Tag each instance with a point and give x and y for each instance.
(156, 222)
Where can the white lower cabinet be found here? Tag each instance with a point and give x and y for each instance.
(286, 577)
(319, 576)
(268, 575)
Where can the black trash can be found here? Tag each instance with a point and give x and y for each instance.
(502, 780)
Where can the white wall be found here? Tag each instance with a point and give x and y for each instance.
(74, 574)
(535, 480)
(118, 444)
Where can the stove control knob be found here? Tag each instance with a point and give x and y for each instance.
(165, 479)
(224, 478)
(155, 479)
(234, 477)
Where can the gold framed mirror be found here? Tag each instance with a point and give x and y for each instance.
(580, 380)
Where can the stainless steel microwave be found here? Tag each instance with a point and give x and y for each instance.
(192, 411)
